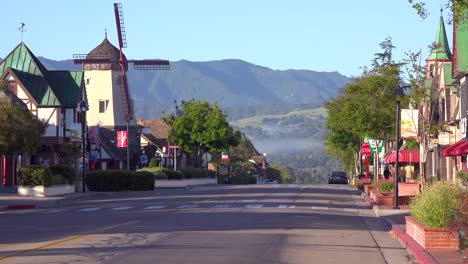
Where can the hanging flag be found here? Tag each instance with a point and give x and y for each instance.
(224, 156)
(93, 132)
(122, 139)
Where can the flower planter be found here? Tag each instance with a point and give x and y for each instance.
(387, 198)
(41, 191)
(368, 188)
(430, 237)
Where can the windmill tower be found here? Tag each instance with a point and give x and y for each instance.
(110, 105)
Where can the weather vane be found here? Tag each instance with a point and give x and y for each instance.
(22, 30)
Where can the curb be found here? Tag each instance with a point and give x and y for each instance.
(18, 207)
(422, 256)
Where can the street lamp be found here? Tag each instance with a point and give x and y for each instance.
(83, 109)
(398, 92)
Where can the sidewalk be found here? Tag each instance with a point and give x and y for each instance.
(396, 218)
(12, 201)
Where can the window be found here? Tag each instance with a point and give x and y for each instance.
(102, 106)
(87, 81)
(12, 87)
(79, 117)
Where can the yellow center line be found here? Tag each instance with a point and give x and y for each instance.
(41, 247)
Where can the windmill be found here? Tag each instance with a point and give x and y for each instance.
(137, 65)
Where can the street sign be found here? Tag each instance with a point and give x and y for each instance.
(375, 144)
(365, 149)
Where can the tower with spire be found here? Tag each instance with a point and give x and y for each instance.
(440, 54)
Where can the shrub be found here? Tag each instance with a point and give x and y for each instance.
(196, 173)
(463, 175)
(385, 186)
(68, 172)
(434, 207)
(173, 175)
(119, 180)
(34, 175)
(58, 179)
(158, 173)
(153, 163)
(460, 220)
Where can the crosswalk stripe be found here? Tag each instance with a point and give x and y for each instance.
(187, 206)
(350, 209)
(55, 211)
(222, 206)
(154, 207)
(121, 208)
(89, 209)
(254, 206)
(292, 206)
(319, 208)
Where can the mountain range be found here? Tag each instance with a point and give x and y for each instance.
(242, 89)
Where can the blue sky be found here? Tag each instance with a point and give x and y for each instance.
(296, 34)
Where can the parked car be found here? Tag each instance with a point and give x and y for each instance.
(271, 182)
(338, 177)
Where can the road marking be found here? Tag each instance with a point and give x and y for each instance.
(254, 206)
(41, 247)
(319, 208)
(187, 206)
(154, 207)
(307, 216)
(283, 206)
(121, 208)
(350, 210)
(55, 211)
(89, 209)
(222, 206)
(118, 225)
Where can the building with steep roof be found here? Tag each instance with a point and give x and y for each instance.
(53, 96)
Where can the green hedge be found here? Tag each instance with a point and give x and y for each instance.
(119, 180)
(173, 175)
(34, 175)
(68, 172)
(157, 172)
(197, 173)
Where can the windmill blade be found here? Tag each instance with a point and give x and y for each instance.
(126, 102)
(85, 58)
(119, 21)
(151, 64)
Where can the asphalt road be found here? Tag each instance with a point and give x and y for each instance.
(209, 224)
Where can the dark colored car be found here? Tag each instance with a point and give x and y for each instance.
(338, 177)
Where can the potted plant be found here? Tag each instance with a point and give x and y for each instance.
(39, 181)
(431, 213)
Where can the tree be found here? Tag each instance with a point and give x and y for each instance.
(455, 6)
(364, 108)
(20, 131)
(199, 127)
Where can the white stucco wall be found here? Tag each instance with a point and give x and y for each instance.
(103, 85)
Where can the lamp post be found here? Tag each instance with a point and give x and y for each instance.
(397, 93)
(83, 108)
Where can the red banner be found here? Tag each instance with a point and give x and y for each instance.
(122, 139)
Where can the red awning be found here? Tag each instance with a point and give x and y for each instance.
(456, 149)
(404, 155)
(461, 148)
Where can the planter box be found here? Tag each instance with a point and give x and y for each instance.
(368, 188)
(386, 198)
(183, 183)
(430, 237)
(41, 191)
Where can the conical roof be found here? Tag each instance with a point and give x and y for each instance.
(105, 50)
(441, 49)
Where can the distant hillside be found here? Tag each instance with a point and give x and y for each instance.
(241, 88)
